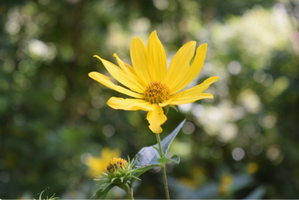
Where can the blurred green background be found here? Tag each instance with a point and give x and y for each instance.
(56, 130)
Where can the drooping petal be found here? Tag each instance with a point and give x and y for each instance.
(119, 75)
(179, 65)
(194, 69)
(129, 104)
(107, 82)
(140, 60)
(157, 57)
(195, 93)
(130, 73)
(156, 118)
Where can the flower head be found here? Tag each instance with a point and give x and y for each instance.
(151, 84)
(115, 164)
(118, 171)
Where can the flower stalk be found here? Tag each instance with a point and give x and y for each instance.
(163, 167)
(130, 194)
(128, 188)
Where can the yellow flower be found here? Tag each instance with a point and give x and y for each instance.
(97, 165)
(150, 82)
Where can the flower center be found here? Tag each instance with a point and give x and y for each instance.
(156, 92)
(114, 162)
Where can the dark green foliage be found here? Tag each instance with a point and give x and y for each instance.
(53, 116)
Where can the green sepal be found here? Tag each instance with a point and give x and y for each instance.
(174, 107)
(131, 176)
(166, 108)
(112, 180)
(51, 198)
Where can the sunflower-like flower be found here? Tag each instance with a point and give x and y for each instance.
(151, 84)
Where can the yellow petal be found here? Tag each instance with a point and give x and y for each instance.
(156, 118)
(195, 93)
(179, 65)
(194, 69)
(140, 60)
(129, 104)
(131, 74)
(157, 57)
(173, 98)
(119, 75)
(191, 99)
(107, 82)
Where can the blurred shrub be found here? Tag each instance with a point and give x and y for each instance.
(53, 116)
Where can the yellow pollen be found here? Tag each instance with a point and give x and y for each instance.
(114, 162)
(156, 92)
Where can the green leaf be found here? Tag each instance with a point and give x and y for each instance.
(165, 143)
(158, 152)
(147, 157)
(174, 158)
(146, 160)
(102, 192)
(144, 169)
(163, 160)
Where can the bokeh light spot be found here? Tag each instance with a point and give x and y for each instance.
(58, 94)
(188, 128)
(108, 130)
(234, 67)
(273, 152)
(238, 154)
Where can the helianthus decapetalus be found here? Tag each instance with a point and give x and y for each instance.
(151, 83)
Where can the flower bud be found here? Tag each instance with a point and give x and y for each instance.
(118, 171)
(116, 164)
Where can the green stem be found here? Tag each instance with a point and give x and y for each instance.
(163, 167)
(131, 192)
(128, 189)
